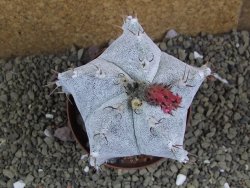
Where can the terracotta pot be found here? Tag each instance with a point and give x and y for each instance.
(79, 132)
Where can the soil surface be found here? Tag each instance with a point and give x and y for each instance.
(218, 137)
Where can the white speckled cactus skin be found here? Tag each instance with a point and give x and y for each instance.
(113, 128)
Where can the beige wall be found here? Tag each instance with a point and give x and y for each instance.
(34, 26)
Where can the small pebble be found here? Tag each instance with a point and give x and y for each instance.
(163, 46)
(48, 133)
(171, 34)
(206, 161)
(49, 116)
(182, 54)
(84, 156)
(86, 169)
(8, 173)
(197, 55)
(180, 179)
(19, 184)
(80, 53)
(226, 185)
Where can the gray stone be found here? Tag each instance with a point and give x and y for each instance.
(165, 180)
(200, 109)
(117, 185)
(44, 151)
(14, 96)
(214, 98)
(227, 126)
(170, 43)
(220, 157)
(127, 185)
(187, 44)
(8, 66)
(182, 54)
(151, 169)
(157, 174)
(237, 116)
(8, 76)
(173, 168)
(135, 178)
(240, 80)
(80, 53)
(143, 171)
(4, 98)
(241, 50)
(10, 183)
(49, 141)
(31, 95)
(222, 165)
(197, 132)
(19, 154)
(190, 186)
(245, 36)
(228, 157)
(2, 183)
(29, 178)
(244, 156)
(163, 46)
(156, 186)
(247, 183)
(147, 180)
(191, 56)
(8, 173)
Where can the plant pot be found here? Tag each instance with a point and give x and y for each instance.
(78, 129)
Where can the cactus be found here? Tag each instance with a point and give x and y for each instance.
(134, 98)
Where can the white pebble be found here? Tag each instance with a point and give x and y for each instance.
(180, 179)
(86, 169)
(226, 185)
(246, 167)
(40, 170)
(206, 161)
(84, 156)
(49, 116)
(197, 55)
(48, 133)
(171, 34)
(222, 170)
(237, 45)
(19, 184)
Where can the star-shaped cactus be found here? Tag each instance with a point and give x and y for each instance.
(134, 98)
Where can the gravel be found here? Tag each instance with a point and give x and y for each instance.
(218, 133)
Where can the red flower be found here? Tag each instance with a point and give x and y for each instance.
(161, 95)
